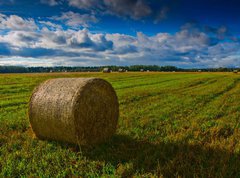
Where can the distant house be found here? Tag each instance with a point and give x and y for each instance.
(106, 70)
(141, 70)
(148, 71)
(199, 70)
(121, 70)
(235, 71)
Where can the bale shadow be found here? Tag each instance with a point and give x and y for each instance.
(165, 159)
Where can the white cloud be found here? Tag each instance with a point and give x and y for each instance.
(50, 25)
(14, 22)
(19, 39)
(57, 46)
(20, 61)
(76, 20)
(72, 41)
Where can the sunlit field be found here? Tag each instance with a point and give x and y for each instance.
(170, 124)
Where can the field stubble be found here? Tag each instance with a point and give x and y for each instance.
(171, 124)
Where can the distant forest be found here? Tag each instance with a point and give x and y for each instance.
(18, 69)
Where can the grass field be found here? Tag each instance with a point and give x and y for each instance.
(170, 125)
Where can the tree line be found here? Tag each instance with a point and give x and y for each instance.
(19, 69)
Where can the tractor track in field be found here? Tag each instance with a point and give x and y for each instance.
(196, 108)
(215, 97)
(5, 105)
(166, 91)
(145, 84)
(221, 93)
(130, 78)
(153, 83)
(199, 83)
(15, 91)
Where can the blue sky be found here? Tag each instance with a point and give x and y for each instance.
(183, 33)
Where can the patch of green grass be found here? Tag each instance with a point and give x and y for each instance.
(170, 125)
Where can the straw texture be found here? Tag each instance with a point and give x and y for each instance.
(76, 110)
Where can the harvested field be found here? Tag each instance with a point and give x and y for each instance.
(170, 125)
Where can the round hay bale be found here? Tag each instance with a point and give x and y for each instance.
(82, 111)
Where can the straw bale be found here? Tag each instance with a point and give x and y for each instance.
(82, 111)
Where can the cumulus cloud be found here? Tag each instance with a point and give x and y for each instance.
(189, 47)
(14, 22)
(98, 42)
(49, 42)
(76, 20)
(20, 38)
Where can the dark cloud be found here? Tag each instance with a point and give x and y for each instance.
(104, 44)
(44, 52)
(35, 52)
(221, 32)
(85, 4)
(215, 33)
(27, 37)
(161, 15)
(7, 50)
(59, 39)
(135, 9)
(84, 41)
(126, 49)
